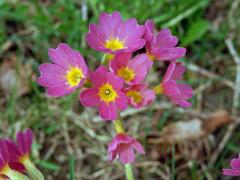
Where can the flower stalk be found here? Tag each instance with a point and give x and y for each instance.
(129, 172)
(14, 175)
(118, 126)
(33, 172)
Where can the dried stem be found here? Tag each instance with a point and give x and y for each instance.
(236, 95)
(236, 59)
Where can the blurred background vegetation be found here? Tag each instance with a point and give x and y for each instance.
(70, 141)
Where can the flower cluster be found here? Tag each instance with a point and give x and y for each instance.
(120, 80)
(15, 160)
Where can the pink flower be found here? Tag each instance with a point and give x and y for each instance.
(139, 96)
(20, 152)
(130, 70)
(5, 160)
(162, 46)
(106, 94)
(235, 165)
(4, 157)
(67, 72)
(178, 93)
(123, 146)
(113, 35)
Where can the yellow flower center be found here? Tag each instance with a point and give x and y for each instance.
(114, 44)
(107, 93)
(137, 98)
(109, 57)
(150, 56)
(23, 158)
(4, 169)
(158, 89)
(74, 76)
(126, 73)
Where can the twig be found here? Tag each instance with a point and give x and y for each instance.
(209, 74)
(236, 59)
(225, 139)
(231, 127)
(84, 10)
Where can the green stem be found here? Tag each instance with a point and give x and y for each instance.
(104, 60)
(129, 172)
(32, 171)
(118, 126)
(14, 175)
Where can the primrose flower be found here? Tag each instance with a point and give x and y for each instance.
(19, 154)
(124, 146)
(235, 168)
(113, 35)
(5, 170)
(162, 46)
(67, 72)
(106, 94)
(178, 93)
(3, 157)
(139, 96)
(130, 70)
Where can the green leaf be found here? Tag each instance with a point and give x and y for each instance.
(49, 165)
(72, 167)
(195, 32)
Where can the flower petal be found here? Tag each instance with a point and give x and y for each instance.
(119, 139)
(62, 56)
(13, 150)
(170, 71)
(183, 103)
(4, 156)
(121, 101)
(98, 77)
(126, 154)
(96, 37)
(149, 30)
(89, 97)
(170, 88)
(186, 91)
(138, 147)
(120, 60)
(17, 166)
(178, 72)
(231, 172)
(115, 81)
(149, 96)
(166, 54)
(24, 141)
(51, 75)
(165, 39)
(140, 64)
(235, 164)
(110, 23)
(107, 111)
(112, 155)
(60, 90)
